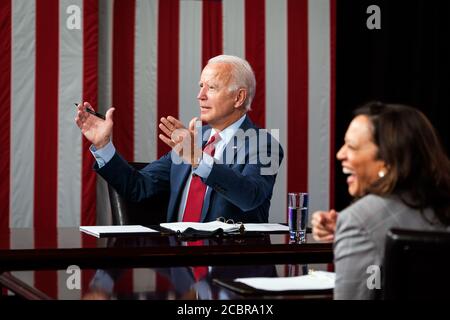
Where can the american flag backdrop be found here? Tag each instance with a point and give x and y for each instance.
(144, 57)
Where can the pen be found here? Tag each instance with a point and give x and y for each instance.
(93, 112)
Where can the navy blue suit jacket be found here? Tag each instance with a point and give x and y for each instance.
(237, 190)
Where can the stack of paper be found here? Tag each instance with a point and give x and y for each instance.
(265, 227)
(226, 227)
(316, 280)
(105, 231)
(200, 226)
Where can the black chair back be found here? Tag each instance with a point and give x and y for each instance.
(416, 265)
(151, 211)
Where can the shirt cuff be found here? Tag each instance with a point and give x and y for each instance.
(103, 155)
(205, 166)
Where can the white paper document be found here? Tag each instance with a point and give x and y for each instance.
(100, 231)
(316, 280)
(265, 227)
(201, 226)
(226, 227)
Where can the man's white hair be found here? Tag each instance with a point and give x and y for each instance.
(242, 76)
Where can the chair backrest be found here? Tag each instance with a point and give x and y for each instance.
(416, 265)
(151, 211)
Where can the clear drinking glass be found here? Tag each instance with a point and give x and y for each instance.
(297, 216)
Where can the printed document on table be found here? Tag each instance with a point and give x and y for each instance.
(100, 231)
(200, 226)
(316, 280)
(226, 227)
(265, 227)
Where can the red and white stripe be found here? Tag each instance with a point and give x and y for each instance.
(289, 43)
(45, 162)
(144, 57)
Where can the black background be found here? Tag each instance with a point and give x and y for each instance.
(406, 61)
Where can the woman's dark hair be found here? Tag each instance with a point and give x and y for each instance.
(418, 168)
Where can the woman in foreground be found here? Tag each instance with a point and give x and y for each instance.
(399, 175)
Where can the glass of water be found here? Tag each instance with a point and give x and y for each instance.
(297, 216)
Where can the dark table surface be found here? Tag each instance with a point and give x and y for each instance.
(156, 250)
(159, 266)
(174, 283)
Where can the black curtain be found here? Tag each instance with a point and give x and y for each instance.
(406, 61)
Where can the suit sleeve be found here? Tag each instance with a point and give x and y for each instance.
(248, 185)
(137, 185)
(354, 252)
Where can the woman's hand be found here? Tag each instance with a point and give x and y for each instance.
(324, 225)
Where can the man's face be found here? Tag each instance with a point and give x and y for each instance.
(217, 103)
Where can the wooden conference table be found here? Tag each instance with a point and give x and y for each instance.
(232, 256)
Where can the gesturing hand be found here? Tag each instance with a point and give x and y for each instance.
(181, 139)
(324, 225)
(96, 130)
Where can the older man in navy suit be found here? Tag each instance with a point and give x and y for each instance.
(229, 173)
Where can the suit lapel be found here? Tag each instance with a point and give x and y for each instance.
(206, 201)
(247, 124)
(206, 132)
(180, 173)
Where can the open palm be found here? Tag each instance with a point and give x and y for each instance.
(96, 130)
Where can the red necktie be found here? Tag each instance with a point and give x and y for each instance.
(200, 272)
(197, 189)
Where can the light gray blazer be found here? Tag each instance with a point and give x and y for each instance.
(360, 238)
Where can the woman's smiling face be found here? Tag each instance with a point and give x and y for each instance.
(358, 156)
